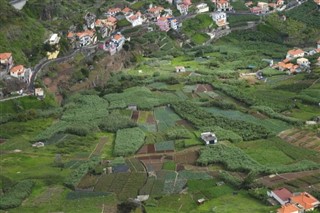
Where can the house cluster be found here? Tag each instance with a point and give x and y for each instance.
(295, 60)
(17, 71)
(294, 202)
(263, 7)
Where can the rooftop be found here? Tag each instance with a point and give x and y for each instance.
(288, 208)
(295, 52)
(282, 193)
(4, 56)
(17, 68)
(306, 200)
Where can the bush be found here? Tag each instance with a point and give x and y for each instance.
(272, 114)
(128, 141)
(78, 173)
(16, 194)
(116, 121)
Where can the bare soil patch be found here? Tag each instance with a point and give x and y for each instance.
(204, 88)
(135, 116)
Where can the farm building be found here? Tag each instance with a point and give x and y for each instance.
(180, 69)
(282, 195)
(209, 138)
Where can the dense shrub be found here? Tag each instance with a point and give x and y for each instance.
(272, 114)
(128, 141)
(231, 179)
(201, 119)
(115, 121)
(78, 173)
(16, 194)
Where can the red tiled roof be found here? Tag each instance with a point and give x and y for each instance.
(126, 10)
(283, 193)
(17, 68)
(156, 9)
(5, 56)
(306, 200)
(288, 208)
(114, 10)
(295, 51)
(112, 19)
(85, 33)
(117, 37)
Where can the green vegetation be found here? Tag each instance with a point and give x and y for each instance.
(128, 141)
(196, 27)
(16, 194)
(235, 159)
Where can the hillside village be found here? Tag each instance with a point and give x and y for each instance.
(163, 106)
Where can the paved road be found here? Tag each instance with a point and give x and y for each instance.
(44, 63)
(15, 97)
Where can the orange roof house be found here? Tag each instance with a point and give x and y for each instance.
(317, 2)
(17, 71)
(85, 33)
(6, 58)
(117, 37)
(113, 11)
(294, 53)
(288, 208)
(126, 10)
(112, 19)
(156, 9)
(307, 201)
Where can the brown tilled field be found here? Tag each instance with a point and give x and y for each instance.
(302, 138)
(135, 116)
(186, 157)
(204, 88)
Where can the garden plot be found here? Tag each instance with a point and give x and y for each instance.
(128, 141)
(166, 146)
(147, 149)
(188, 156)
(152, 163)
(124, 185)
(301, 138)
(204, 88)
(270, 124)
(135, 165)
(147, 121)
(88, 181)
(166, 118)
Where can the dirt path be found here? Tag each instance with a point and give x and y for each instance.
(97, 150)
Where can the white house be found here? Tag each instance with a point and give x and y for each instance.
(135, 19)
(173, 23)
(18, 71)
(295, 53)
(209, 138)
(39, 92)
(54, 39)
(202, 8)
(183, 9)
(303, 61)
(220, 18)
(86, 37)
(264, 6)
(282, 195)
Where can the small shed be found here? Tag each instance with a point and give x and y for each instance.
(201, 201)
(180, 69)
(209, 138)
(38, 144)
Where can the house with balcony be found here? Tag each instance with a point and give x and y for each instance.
(220, 18)
(222, 5)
